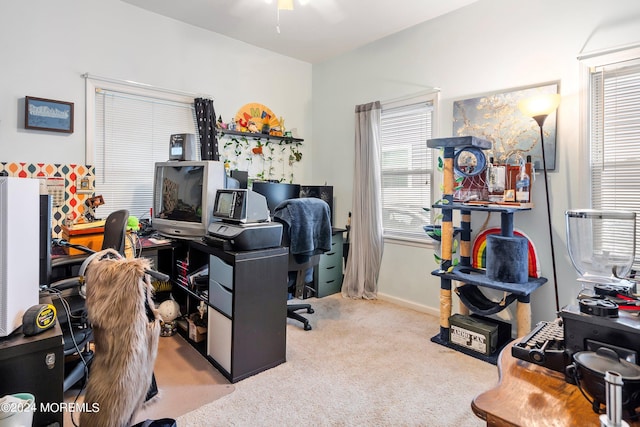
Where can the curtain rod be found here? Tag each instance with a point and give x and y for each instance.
(411, 96)
(145, 86)
(587, 55)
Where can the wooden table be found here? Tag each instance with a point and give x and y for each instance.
(533, 396)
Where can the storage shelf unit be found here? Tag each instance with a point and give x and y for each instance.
(246, 308)
(464, 272)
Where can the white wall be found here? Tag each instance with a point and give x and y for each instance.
(45, 47)
(489, 46)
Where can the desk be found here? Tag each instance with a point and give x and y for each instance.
(533, 396)
(64, 265)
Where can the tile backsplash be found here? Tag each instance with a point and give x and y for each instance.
(64, 178)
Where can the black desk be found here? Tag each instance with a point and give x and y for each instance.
(35, 365)
(159, 251)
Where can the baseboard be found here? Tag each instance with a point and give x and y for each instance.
(409, 304)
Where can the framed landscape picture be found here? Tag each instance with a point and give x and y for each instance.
(48, 114)
(496, 118)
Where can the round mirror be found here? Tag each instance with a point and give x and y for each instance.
(469, 161)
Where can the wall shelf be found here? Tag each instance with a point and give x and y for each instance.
(257, 136)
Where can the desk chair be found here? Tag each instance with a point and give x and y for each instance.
(113, 238)
(68, 291)
(306, 231)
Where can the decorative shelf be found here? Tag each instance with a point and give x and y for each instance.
(256, 135)
(488, 207)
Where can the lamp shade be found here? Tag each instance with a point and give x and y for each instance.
(285, 4)
(539, 105)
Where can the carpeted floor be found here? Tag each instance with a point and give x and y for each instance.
(365, 363)
(185, 379)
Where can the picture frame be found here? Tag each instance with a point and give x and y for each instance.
(496, 118)
(509, 195)
(48, 114)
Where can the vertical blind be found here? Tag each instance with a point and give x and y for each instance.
(132, 133)
(614, 130)
(407, 169)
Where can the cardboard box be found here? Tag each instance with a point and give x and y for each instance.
(196, 333)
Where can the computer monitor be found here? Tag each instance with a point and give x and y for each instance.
(324, 192)
(242, 177)
(276, 192)
(183, 196)
(240, 206)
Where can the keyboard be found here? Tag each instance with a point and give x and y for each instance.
(544, 346)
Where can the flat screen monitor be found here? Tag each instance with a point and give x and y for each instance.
(183, 196)
(276, 192)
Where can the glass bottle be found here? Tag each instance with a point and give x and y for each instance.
(495, 182)
(522, 184)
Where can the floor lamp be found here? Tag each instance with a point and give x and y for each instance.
(539, 107)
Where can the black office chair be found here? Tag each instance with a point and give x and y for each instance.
(306, 231)
(68, 298)
(113, 238)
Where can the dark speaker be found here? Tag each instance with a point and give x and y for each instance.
(45, 238)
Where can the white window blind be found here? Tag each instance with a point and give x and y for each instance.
(407, 169)
(614, 130)
(132, 132)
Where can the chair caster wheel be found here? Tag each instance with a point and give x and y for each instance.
(310, 310)
(307, 327)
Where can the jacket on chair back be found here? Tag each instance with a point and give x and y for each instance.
(307, 226)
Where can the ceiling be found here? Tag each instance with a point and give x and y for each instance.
(314, 31)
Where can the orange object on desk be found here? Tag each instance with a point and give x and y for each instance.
(90, 237)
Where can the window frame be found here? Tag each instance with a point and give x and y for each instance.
(94, 84)
(591, 64)
(432, 97)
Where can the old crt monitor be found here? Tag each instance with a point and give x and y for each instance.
(183, 197)
(240, 206)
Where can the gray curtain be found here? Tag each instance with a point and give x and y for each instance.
(367, 244)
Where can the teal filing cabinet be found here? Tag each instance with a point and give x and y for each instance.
(327, 276)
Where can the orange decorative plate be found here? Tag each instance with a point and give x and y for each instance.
(257, 114)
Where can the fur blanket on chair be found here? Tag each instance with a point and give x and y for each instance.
(126, 329)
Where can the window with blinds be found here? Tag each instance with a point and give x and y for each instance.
(614, 132)
(406, 168)
(132, 133)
